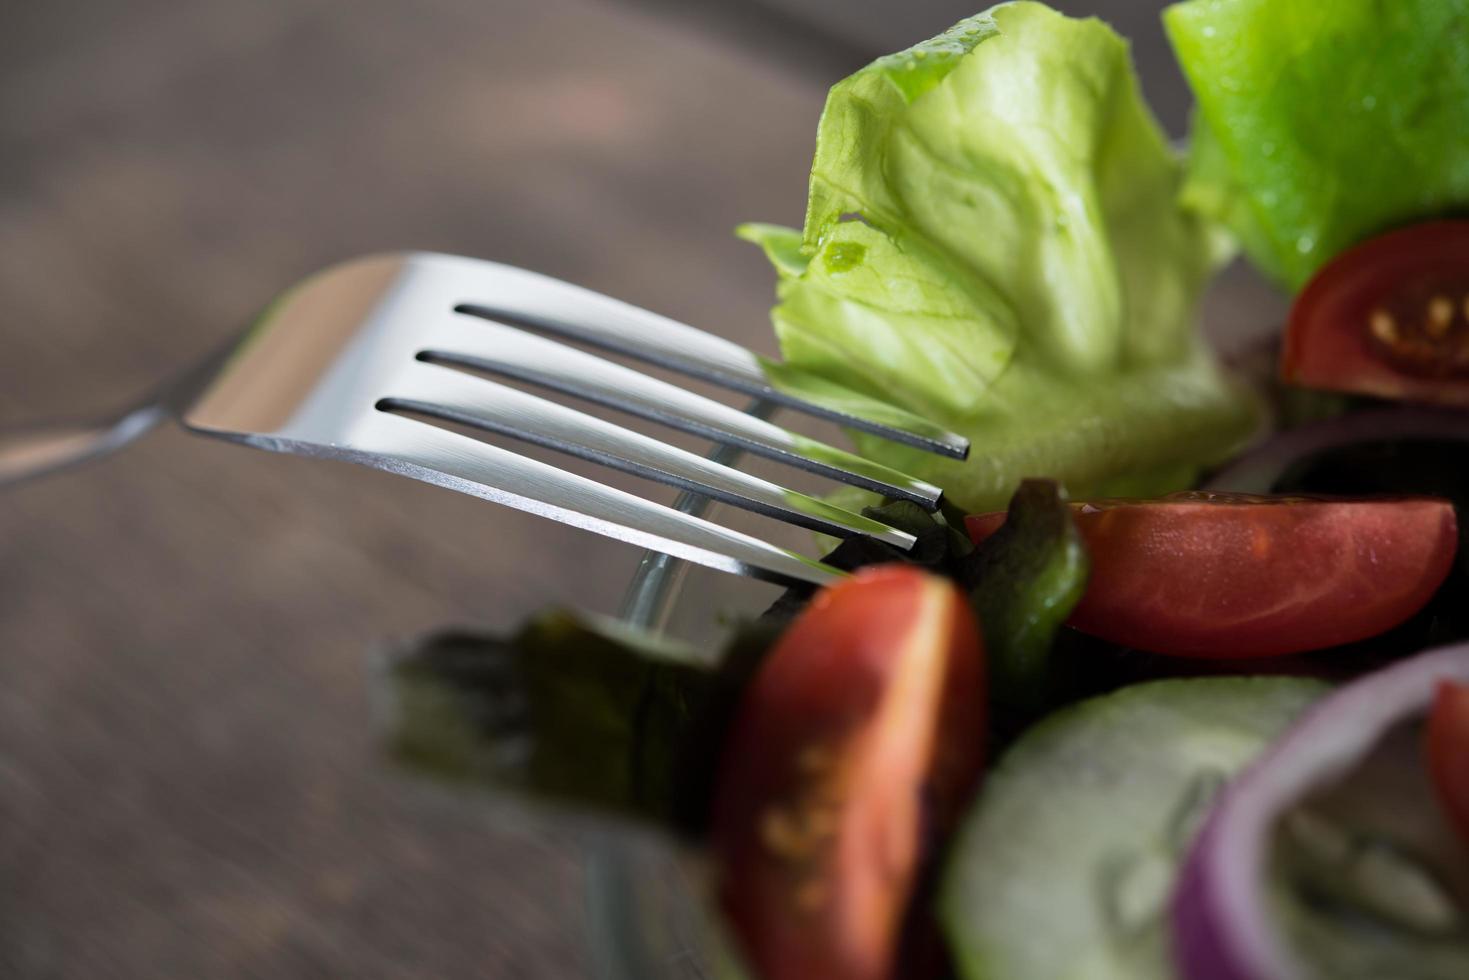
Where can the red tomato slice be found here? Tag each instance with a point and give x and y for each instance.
(1238, 575)
(1448, 752)
(1389, 318)
(858, 740)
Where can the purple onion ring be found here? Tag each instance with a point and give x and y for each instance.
(1257, 470)
(1222, 928)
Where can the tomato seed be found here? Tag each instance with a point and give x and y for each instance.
(1440, 316)
(1384, 327)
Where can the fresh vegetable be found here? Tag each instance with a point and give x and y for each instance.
(1024, 582)
(1389, 317)
(1437, 466)
(992, 241)
(1448, 752)
(1320, 125)
(1327, 856)
(571, 710)
(1434, 437)
(1064, 865)
(938, 547)
(1238, 575)
(857, 742)
(1000, 240)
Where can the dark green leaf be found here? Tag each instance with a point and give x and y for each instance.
(940, 549)
(570, 710)
(1024, 581)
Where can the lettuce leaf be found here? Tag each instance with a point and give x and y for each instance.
(1329, 122)
(993, 241)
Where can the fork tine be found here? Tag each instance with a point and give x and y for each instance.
(425, 452)
(506, 350)
(444, 392)
(581, 314)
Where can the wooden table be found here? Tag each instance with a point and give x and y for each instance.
(189, 783)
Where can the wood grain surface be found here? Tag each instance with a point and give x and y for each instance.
(189, 783)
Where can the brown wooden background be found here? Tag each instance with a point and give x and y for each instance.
(188, 781)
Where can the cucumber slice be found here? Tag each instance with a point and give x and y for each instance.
(1064, 866)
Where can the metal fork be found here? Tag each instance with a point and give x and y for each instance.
(353, 362)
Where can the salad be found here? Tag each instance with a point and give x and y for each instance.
(1177, 683)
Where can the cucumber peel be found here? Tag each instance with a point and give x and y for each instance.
(1064, 865)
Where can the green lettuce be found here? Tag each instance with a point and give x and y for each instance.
(994, 241)
(1324, 123)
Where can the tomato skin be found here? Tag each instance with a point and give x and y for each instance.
(1236, 575)
(1329, 341)
(1448, 752)
(859, 737)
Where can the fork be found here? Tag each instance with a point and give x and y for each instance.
(362, 361)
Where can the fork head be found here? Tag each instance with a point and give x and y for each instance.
(348, 364)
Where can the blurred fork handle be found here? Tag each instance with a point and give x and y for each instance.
(26, 453)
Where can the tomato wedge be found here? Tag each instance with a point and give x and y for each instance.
(1389, 318)
(1240, 575)
(1448, 752)
(856, 744)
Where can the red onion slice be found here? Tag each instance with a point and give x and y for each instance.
(1258, 470)
(1222, 929)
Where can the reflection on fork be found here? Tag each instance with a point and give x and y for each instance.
(363, 361)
